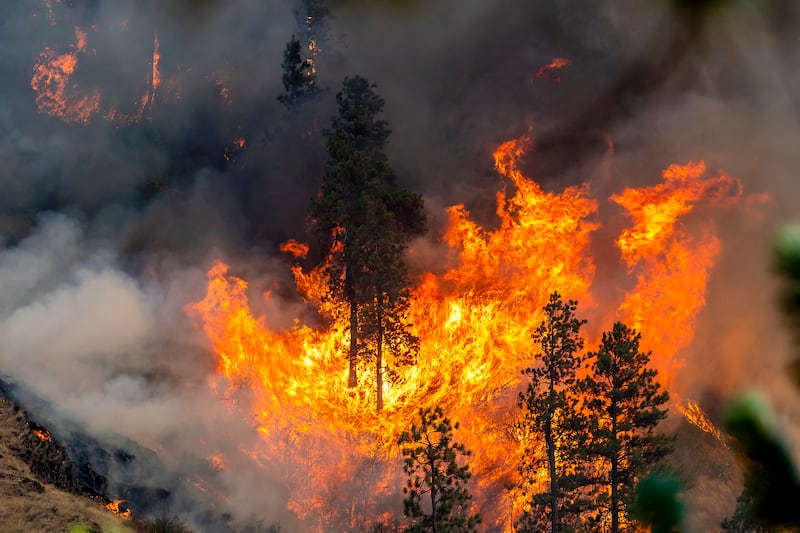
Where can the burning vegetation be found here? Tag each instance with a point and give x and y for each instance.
(474, 322)
(429, 369)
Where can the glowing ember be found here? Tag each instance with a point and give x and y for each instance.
(50, 13)
(156, 75)
(549, 70)
(233, 148)
(43, 435)
(297, 249)
(217, 461)
(475, 322)
(146, 102)
(56, 94)
(114, 508)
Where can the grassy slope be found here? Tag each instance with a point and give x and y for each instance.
(26, 503)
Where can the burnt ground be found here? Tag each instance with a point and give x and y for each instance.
(39, 488)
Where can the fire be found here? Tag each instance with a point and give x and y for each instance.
(695, 415)
(671, 265)
(43, 435)
(549, 69)
(233, 148)
(56, 94)
(155, 79)
(475, 321)
(146, 102)
(297, 249)
(114, 508)
(50, 13)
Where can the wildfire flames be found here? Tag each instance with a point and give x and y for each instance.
(43, 435)
(550, 69)
(58, 95)
(339, 457)
(691, 410)
(114, 508)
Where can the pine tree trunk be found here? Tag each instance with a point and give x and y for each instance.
(352, 379)
(614, 470)
(550, 445)
(379, 362)
(434, 486)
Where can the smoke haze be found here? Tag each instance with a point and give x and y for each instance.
(107, 229)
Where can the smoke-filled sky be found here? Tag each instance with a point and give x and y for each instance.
(107, 229)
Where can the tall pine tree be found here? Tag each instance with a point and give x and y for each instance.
(624, 403)
(367, 220)
(551, 415)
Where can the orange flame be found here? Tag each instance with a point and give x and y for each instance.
(475, 321)
(671, 265)
(51, 81)
(149, 97)
(549, 69)
(297, 249)
(114, 508)
(50, 13)
(156, 75)
(695, 416)
(233, 148)
(43, 435)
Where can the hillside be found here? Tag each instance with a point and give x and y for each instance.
(28, 502)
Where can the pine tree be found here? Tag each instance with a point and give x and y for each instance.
(551, 413)
(299, 79)
(742, 520)
(367, 220)
(437, 497)
(624, 403)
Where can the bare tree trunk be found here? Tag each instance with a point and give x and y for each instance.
(614, 471)
(352, 379)
(550, 445)
(379, 363)
(434, 485)
(551, 464)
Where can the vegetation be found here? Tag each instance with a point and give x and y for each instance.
(594, 437)
(658, 504)
(299, 79)
(742, 520)
(624, 404)
(551, 413)
(366, 220)
(437, 498)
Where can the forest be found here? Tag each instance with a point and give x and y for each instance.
(334, 265)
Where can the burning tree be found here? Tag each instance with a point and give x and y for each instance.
(624, 403)
(437, 496)
(366, 220)
(551, 413)
(299, 79)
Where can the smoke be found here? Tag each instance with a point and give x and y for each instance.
(108, 228)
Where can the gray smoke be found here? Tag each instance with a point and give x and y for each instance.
(107, 230)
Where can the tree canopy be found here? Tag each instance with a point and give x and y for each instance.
(366, 221)
(437, 498)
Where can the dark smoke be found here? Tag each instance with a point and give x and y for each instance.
(107, 229)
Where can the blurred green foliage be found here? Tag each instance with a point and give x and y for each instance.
(659, 503)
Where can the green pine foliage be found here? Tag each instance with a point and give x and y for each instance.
(366, 220)
(742, 520)
(299, 80)
(625, 404)
(437, 499)
(550, 413)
